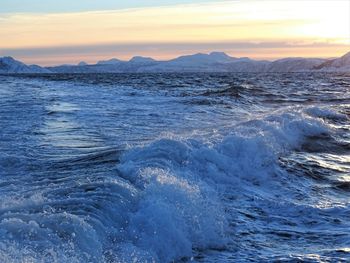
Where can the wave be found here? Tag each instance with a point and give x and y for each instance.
(163, 201)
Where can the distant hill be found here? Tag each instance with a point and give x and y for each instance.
(139, 59)
(112, 61)
(10, 65)
(341, 64)
(82, 63)
(294, 64)
(200, 62)
(212, 62)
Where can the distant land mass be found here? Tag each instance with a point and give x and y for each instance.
(212, 62)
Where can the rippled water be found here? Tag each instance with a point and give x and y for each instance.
(175, 167)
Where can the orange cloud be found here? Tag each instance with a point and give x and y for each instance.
(259, 21)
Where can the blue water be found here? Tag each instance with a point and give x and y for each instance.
(175, 168)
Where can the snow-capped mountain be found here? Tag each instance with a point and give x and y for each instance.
(112, 61)
(200, 62)
(9, 65)
(294, 64)
(82, 63)
(200, 58)
(139, 59)
(220, 62)
(215, 61)
(212, 62)
(248, 65)
(341, 64)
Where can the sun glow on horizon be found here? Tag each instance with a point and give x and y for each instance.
(295, 23)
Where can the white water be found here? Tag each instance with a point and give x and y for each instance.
(162, 168)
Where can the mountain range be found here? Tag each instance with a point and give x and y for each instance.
(212, 62)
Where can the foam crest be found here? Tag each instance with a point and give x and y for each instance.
(182, 181)
(177, 211)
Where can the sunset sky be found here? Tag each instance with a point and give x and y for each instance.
(68, 31)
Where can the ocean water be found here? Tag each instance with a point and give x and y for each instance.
(175, 168)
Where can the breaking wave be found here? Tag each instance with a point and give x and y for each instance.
(237, 191)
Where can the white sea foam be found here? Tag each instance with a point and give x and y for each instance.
(177, 204)
(239, 188)
(180, 207)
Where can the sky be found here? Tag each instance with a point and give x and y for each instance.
(55, 32)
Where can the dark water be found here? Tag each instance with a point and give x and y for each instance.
(175, 167)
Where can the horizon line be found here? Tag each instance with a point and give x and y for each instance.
(91, 54)
(166, 60)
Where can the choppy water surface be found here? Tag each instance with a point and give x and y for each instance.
(171, 167)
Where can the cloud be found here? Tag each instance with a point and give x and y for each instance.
(169, 31)
(54, 6)
(224, 21)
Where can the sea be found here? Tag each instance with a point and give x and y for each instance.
(192, 167)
